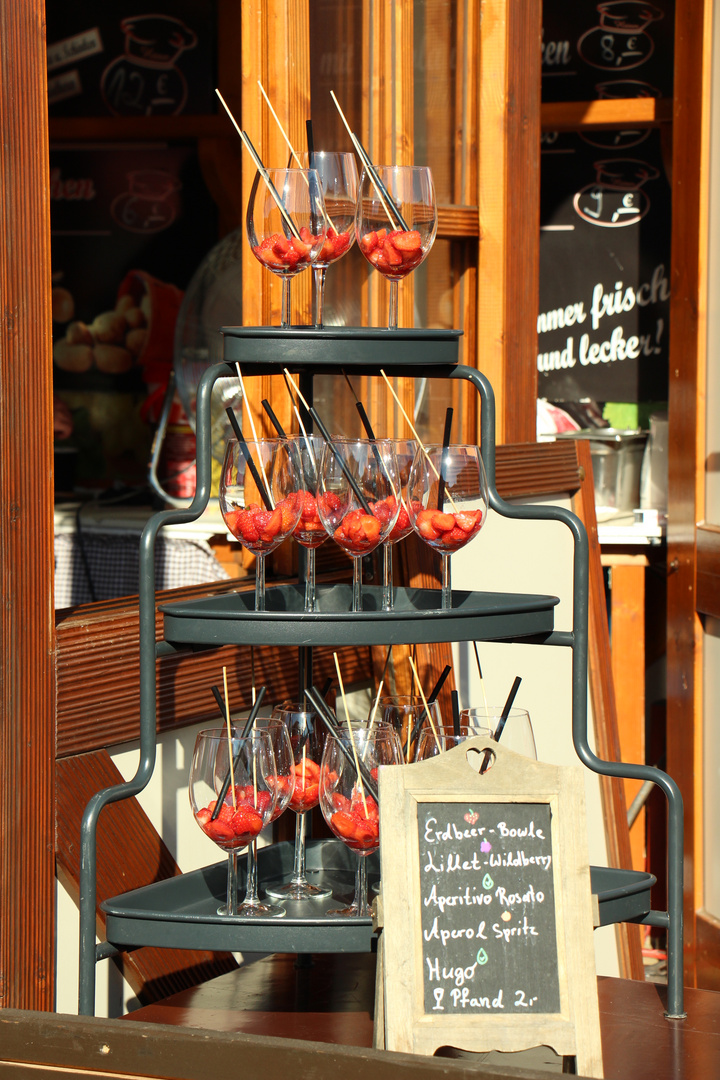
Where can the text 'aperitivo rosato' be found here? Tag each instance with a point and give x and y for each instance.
(393, 253)
(287, 254)
(263, 530)
(445, 531)
(236, 825)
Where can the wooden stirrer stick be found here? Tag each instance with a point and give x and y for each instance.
(254, 433)
(427, 709)
(417, 437)
(358, 774)
(229, 737)
(260, 168)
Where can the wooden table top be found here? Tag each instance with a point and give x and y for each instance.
(332, 1001)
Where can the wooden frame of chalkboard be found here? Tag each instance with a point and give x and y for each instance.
(487, 939)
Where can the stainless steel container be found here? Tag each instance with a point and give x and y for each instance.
(617, 462)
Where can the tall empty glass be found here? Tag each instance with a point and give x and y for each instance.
(517, 733)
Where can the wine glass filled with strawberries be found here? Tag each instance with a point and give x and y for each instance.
(286, 224)
(310, 531)
(306, 738)
(348, 794)
(396, 222)
(404, 455)
(448, 501)
(339, 185)
(358, 481)
(232, 788)
(260, 498)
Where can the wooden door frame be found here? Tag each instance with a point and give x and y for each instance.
(27, 706)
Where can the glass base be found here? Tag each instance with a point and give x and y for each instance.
(256, 911)
(298, 890)
(351, 912)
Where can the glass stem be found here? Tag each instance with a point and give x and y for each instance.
(319, 273)
(298, 875)
(260, 583)
(357, 604)
(393, 315)
(310, 579)
(446, 585)
(231, 900)
(251, 888)
(285, 316)
(387, 578)
(360, 901)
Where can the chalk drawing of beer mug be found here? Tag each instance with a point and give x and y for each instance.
(615, 199)
(621, 41)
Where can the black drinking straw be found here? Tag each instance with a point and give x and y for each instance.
(334, 729)
(248, 458)
(326, 688)
(346, 472)
(273, 418)
(445, 444)
(454, 698)
(270, 186)
(382, 190)
(434, 694)
(506, 708)
(310, 141)
(367, 426)
(245, 732)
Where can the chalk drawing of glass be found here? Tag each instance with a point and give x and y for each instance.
(144, 81)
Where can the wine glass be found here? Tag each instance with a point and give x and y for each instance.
(404, 455)
(406, 714)
(285, 224)
(396, 222)
(309, 531)
(347, 805)
(517, 733)
(356, 478)
(448, 501)
(284, 787)
(306, 738)
(259, 498)
(431, 743)
(339, 185)
(239, 774)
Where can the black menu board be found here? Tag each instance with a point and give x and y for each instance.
(488, 908)
(604, 267)
(122, 58)
(611, 49)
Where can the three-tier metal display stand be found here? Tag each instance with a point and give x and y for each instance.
(182, 911)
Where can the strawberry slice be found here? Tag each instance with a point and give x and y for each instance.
(408, 241)
(246, 823)
(281, 245)
(369, 242)
(371, 527)
(301, 247)
(443, 522)
(219, 831)
(344, 824)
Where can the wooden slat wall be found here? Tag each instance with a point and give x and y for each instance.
(98, 671)
(27, 886)
(123, 826)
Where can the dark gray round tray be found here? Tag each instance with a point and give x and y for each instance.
(417, 618)
(334, 347)
(181, 912)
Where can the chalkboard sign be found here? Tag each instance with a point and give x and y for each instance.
(486, 907)
(151, 58)
(604, 267)
(607, 49)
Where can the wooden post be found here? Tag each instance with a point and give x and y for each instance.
(27, 703)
